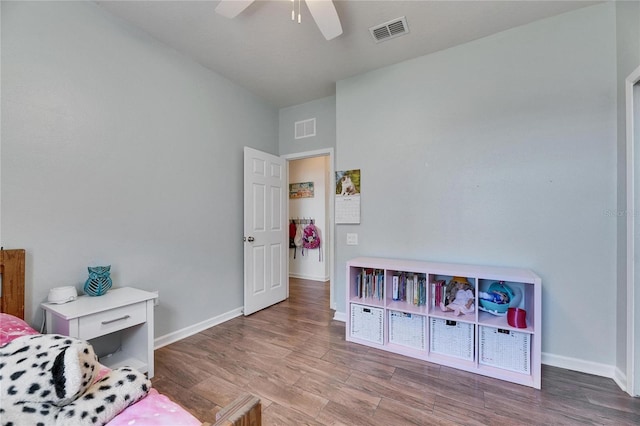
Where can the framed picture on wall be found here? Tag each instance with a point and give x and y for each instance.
(301, 190)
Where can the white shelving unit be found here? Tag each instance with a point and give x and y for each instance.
(125, 313)
(478, 342)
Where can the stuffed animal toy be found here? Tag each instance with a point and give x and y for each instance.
(48, 379)
(459, 297)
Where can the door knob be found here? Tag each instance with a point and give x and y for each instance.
(251, 239)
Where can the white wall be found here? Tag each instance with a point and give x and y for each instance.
(118, 150)
(312, 265)
(501, 151)
(628, 59)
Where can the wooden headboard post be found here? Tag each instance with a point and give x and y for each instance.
(12, 271)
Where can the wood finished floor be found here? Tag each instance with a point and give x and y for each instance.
(295, 358)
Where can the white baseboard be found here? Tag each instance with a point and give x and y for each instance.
(340, 316)
(621, 379)
(195, 328)
(580, 365)
(308, 277)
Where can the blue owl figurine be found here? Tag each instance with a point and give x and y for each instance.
(99, 281)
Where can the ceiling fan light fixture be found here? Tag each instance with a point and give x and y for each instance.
(326, 17)
(293, 11)
(322, 11)
(231, 9)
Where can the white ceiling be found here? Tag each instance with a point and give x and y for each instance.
(287, 63)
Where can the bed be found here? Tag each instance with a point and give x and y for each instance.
(154, 409)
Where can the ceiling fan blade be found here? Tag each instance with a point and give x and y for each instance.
(232, 8)
(326, 17)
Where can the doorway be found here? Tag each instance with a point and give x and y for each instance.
(313, 172)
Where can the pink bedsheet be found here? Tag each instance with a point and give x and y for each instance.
(12, 327)
(153, 410)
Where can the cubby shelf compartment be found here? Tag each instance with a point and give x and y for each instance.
(391, 319)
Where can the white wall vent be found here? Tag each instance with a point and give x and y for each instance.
(392, 29)
(305, 128)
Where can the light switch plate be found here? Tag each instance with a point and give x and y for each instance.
(352, 239)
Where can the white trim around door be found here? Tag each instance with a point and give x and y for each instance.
(332, 177)
(633, 361)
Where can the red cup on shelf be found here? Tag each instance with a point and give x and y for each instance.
(517, 317)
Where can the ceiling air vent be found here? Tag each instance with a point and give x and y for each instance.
(388, 30)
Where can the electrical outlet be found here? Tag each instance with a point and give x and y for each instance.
(352, 239)
(156, 301)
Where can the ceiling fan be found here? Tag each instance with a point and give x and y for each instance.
(322, 11)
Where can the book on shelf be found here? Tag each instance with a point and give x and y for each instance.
(410, 288)
(395, 287)
(370, 284)
(437, 291)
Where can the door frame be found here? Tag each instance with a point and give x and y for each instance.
(633, 365)
(332, 184)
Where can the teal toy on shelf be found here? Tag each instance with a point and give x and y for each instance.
(497, 299)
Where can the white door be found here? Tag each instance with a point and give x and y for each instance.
(265, 245)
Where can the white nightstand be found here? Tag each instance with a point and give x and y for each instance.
(126, 311)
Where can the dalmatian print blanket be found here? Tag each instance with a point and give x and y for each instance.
(49, 379)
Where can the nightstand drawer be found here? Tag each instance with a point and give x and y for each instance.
(112, 320)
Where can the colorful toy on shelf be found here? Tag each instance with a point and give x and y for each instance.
(497, 299)
(517, 317)
(459, 297)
